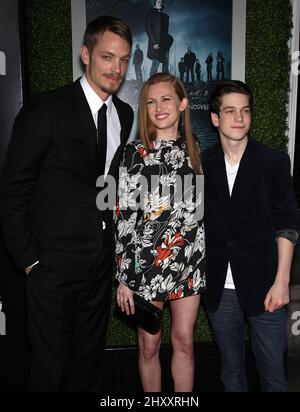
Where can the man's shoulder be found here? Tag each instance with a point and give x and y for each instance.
(121, 105)
(266, 152)
(210, 157)
(271, 161)
(59, 99)
(58, 94)
(63, 90)
(120, 102)
(211, 152)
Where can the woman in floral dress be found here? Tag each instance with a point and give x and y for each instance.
(160, 235)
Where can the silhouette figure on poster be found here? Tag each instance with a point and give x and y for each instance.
(209, 66)
(220, 66)
(189, 60)
(182, 69)
(160, 41)
(198, 70)
(138, 58)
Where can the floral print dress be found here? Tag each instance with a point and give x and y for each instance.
(160, 243)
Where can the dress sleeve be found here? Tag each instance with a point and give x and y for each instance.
(128, 214)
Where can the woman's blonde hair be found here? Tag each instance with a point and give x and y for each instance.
(147, 130)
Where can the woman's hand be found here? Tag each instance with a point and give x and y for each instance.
(125, 299)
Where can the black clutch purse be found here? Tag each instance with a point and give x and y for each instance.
(147, 316)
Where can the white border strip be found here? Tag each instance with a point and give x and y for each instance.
(238, 39)
(292, 110)
(78, 27)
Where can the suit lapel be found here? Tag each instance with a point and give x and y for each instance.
(87, 124)
(123, 121)
(123, 138)
(85, 119)
(219, 176)
(245, 171)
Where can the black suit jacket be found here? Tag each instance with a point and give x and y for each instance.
(241, 229)
(48, 187)
(157, 29)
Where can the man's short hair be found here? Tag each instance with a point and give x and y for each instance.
(227, 87)
(101, 24)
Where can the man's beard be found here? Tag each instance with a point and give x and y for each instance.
(115, 87)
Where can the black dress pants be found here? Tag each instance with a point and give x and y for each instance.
(67, 320)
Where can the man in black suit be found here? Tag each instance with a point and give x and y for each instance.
(137, 61)
(160, 41)
(50, 222)
(189, 60)
(251, 229)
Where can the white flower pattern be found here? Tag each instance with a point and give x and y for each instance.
(160, 248)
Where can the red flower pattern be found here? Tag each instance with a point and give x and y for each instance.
(167, 248)
(176, 295)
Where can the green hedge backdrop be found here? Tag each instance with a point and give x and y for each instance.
(48, 64)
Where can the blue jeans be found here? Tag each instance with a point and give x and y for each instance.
(268, 341)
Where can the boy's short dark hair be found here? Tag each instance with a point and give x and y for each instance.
(227, 87)
(102, 24)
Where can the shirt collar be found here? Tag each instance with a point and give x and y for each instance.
(229, 168)
(95, 102)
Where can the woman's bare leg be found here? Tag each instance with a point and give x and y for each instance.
(149, 363)
(184, 315)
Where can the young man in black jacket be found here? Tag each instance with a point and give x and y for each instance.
(251, 229)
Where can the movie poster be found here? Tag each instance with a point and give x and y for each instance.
(196, 47)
